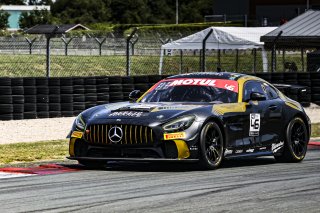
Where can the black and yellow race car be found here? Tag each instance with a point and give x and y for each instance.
(196, 117)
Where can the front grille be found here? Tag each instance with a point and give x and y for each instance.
(132, 134)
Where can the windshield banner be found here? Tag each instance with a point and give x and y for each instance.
(218, 83)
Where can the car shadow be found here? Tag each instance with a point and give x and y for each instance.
(174, 166)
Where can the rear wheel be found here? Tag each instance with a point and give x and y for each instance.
(211, 146)
(296, 143)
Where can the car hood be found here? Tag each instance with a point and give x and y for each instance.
(143, 113)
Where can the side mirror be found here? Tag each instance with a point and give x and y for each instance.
(257, 96)
(134, 95)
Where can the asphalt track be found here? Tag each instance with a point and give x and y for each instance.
(246, 185)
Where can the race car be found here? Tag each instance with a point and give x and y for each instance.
(197, 117)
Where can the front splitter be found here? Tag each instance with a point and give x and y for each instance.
(134, 159)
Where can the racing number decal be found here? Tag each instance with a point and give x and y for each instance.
(254, 124)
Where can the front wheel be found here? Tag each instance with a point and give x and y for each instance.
(211, 146)
(296, 143)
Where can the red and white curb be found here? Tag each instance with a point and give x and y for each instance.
(48, 169)
(6, 175)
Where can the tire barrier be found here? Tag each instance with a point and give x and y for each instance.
(29, 98)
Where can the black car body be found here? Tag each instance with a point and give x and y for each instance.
(197, 117)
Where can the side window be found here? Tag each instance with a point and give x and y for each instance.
(251, 86)
(271, 92)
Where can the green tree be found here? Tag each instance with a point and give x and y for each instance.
(194, 11)
(130, 11)
(30, 19)
(4, 23)
(81, 11)
(163, 12)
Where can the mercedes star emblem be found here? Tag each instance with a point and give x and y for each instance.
(115, 134)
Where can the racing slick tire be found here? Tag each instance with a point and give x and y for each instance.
(296, 142)
(211, 146)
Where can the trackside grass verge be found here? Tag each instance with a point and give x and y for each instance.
(55, 150)
(315, 130)
(37, 151)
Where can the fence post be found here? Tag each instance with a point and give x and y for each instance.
(128, 50)
(302, 59)
(246, 20)
(237, 60)
(49, 36)
(133, 43)
(204, 42)
(284, 59)
(30, 43)
(100, 44)
(181, 63)
(66, 44)
(274, 54)
(254, 60)
(219, 58)
(48, 55)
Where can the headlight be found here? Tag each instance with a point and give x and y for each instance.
(80, 124)
(179, 124)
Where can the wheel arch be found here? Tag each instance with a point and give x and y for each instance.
(219, 122)
(303, 117)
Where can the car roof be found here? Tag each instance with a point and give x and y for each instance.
(216, 75)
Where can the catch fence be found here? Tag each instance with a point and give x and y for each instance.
(118, 55)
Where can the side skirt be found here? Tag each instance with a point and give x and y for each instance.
(245, 153)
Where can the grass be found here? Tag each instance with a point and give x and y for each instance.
(55, 150)
(37, 151)
(21, 65)
(315, 130)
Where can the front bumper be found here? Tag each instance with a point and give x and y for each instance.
(170, 149)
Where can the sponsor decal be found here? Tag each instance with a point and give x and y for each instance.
(228, 152)
(194, 81)
(193, 148)
(76, 134)
(126, 114)
(277, 146)
(254, 124)
(144, 106)
(250, 150)
(171, 136)
(234, 76)
(178, 107)
(218, 83)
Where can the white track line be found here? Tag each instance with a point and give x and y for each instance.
(6, 175)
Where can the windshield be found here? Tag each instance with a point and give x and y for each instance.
(193, 90)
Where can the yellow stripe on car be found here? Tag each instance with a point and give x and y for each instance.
(293, 105)
(71, 146)
(183, 150)
(231, 107)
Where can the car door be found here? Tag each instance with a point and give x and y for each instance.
(254, 117)
(274, 125)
